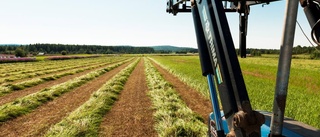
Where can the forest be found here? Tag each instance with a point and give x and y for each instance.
(73, 49)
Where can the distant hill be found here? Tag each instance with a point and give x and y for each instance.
(173, 48)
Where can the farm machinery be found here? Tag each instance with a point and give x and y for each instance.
(219, 63)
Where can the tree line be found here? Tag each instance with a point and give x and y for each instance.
(35, 49)
(73, 49)
(314, 52)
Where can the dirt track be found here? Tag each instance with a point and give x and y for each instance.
(131, 115)
(40, 120)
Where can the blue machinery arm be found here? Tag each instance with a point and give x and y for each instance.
(220, 64)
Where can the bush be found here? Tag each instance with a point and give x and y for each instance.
(64, 52)
(19, 52)
(315, 54)
(255, 52)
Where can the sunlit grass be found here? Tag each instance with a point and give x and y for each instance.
(187, 69)
(303, 103)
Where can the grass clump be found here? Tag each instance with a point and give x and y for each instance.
(173, 117)
(85, 120)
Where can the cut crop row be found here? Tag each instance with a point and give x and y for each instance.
(25, 68)
(6, 89)
(85, 120)
(31, 72)
(173, 117)
(45, 67)
(27, 103)
(44, 72)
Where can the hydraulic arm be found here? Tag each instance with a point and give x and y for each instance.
(219, 61)
(312, 11)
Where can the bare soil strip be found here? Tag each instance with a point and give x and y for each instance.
(39, 121)
(131, 115)
(20, 93)
(194, 100)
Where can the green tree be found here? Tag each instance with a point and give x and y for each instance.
(315, 54)
(64, 52)
(19, 52)
(255, 52)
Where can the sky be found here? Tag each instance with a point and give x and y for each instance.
(129, 22)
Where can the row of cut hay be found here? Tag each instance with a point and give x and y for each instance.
(190, 75)
(9, 88)
(39, 66)
(85, 120)
(27, 103)
(70, 57)
(173, 117)
(30, 67)
(38, 73)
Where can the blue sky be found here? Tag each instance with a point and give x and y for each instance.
(128, 22)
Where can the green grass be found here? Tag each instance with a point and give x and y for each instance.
(303, 103)
(85, 120)
(187, 69)
(172, 116)
(296, 56)
(41, 58)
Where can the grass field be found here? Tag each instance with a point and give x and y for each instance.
(303, 102)
(134, 95)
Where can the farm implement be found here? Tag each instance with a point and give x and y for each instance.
(219, 63)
